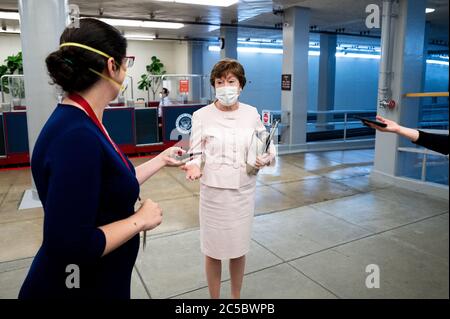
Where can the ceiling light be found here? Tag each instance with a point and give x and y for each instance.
(142, 37)
(9, 15)
(10, 32)
(357, 55)
(143, 24)
(429, 10)
(215, 3)
(437, 62)
(260, 50)
(215, 48)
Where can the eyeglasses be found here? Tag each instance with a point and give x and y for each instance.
(128, 61)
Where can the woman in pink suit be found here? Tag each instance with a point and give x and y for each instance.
(223, 132)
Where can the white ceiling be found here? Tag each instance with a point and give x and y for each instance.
(326, 15)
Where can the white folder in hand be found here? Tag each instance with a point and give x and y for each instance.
(259, 145)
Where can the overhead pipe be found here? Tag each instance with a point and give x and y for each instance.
(384, 82)
(185, 22)
(230, 25)
(370, 36)
(233, 25)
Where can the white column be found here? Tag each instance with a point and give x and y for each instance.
(407, 45)
(327, 76)
(229, 38)
(295, 63)
(196, 67)
(41, 25)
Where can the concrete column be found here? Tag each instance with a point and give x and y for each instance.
(196, 67)
(424, 61)
(41, 25)
(408, 32)
(229, 36)
(327, 77)
(295, 63)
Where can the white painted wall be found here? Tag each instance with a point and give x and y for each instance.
(173, 54)
(181, 57)
(179, 64)
(9, 45)
(143, 51)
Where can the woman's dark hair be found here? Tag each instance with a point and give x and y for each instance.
(225, 66)
(69, 66)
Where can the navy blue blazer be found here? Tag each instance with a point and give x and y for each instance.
(82, 183)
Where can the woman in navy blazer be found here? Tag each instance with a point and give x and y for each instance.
(87, 186)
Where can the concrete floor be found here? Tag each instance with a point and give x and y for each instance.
(320, 222)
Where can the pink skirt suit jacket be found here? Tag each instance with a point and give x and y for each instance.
(227, 192)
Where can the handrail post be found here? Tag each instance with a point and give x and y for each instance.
(424, 167)
(345, 126)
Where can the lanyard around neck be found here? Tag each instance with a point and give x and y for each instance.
(90, 112)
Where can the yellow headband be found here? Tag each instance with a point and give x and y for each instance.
(74, 44)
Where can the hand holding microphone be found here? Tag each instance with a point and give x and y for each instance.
(176, 156)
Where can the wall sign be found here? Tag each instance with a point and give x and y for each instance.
(266, 118)
(286, 80)
(184, 86)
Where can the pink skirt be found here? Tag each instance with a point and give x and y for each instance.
(226, 217)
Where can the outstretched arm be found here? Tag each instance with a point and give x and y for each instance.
(393, 127)
(165, 158)
(435, 142)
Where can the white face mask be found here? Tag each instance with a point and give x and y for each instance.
(227, 95)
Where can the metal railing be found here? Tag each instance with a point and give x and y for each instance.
(440, 121)
(433, 116)
(427, 94)
(426, 153)
(346, 116)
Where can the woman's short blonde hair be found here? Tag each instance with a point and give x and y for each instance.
(226, 66)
